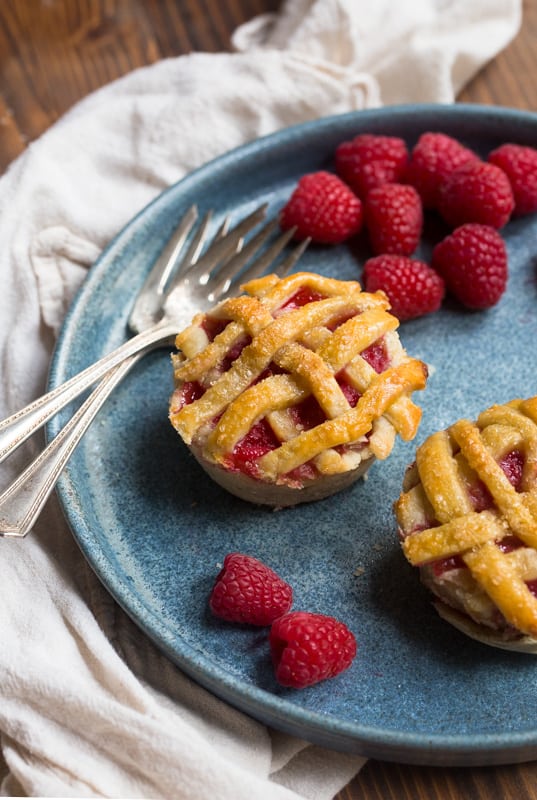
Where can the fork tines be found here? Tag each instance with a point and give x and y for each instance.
(224, 246)
(235, 272)
(231, 258)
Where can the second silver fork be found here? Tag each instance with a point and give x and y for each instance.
(178, 279)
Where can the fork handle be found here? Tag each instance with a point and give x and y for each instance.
(14, 430)
(22, 502)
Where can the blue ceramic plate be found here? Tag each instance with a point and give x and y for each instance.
(155, 528)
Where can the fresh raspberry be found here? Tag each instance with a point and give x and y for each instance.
(433, 158)
(307, 648)
(246, 590)
(473, 263)
(412, 287)
(476, 192)
(323, 208)
(520, 165)
(394, 218)
(369, 160)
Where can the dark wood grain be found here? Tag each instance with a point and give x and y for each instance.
(382, 781)
(54, 53)
(510, 79)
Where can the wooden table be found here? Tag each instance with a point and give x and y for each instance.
(53, 53)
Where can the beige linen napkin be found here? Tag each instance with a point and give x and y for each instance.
(88, 706)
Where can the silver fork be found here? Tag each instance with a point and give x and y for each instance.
(179, 284)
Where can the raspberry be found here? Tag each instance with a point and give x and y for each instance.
(323, 208)
(246, 590)
(520, 165)
(307, 648)
(369, 160)
(476, 192)
(473, 263)
(394, 218)
(433, 158)
(412, 287)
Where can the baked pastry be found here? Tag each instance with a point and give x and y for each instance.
(289, 392)
(468, 520)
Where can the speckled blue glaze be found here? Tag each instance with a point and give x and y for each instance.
(155, 528)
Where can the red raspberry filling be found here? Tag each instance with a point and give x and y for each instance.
(506, 545)
(480, 496)
(512, 465)
(213, 326)
(191, 391)
(509, 543)
(301, 298)
(307, 414)
(352, 395)
(235, 352)
(376, 356)
(447, 564)
(259, 440)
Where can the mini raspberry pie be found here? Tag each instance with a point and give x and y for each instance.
(468, 520)
(289, 392)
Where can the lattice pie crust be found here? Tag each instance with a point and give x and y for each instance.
(468, 519)
(289, 392)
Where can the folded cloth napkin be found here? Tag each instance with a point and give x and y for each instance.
(88, 706)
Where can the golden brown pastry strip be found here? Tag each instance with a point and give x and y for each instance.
(350, 426)
(510, 502)
(504, 586)
(441, 479)
(454, 537)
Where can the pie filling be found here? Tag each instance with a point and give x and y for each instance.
(512, 465)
